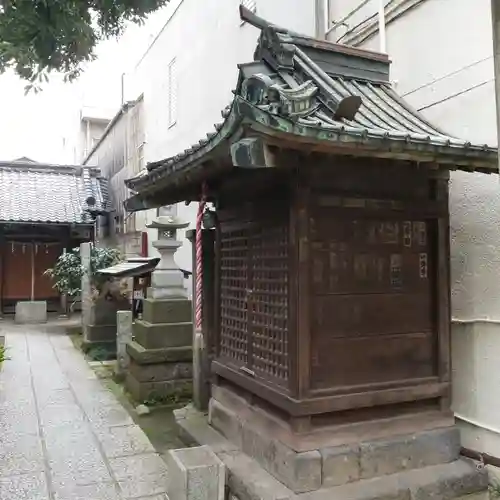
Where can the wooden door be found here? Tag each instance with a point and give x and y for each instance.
(373, 320)
(254, 288)
(23, 273)
(17, 271)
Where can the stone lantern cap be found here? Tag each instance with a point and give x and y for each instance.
(168, 222)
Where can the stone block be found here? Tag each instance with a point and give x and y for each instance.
(167, 311)
(124, 321)
(155, 336)
(101, 333)
(301, 472)
(387, 488)
(195, 474)
(381, 457)
(32, 312)
(340, 465)
(145, 356)
(161, 371)
(248, 481)
(167, 279)
(103, 311)
(142, 391)
(226, 422)
(194, 431)
(453, 480)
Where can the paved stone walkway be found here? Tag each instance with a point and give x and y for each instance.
(63, 436)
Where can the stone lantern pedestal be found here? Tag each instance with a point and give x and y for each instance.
(161, 351)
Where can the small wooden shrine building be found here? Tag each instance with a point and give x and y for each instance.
(332, 290)
(44, 209)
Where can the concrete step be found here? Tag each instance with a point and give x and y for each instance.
(438, 482)
(247, 480)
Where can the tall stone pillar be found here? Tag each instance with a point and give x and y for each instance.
(161, 353)
(86, 298)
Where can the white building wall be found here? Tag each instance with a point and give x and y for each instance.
(207, 41)
(442, 55)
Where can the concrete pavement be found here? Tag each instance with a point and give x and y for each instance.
(63, 436)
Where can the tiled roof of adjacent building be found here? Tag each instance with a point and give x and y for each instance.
(318, 94)
(35, 192)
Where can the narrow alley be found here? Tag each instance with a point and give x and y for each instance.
(63, 435)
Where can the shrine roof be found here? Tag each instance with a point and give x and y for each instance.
(35, 192)
(131, 268)
(314, 95)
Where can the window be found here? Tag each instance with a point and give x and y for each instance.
(172, 93)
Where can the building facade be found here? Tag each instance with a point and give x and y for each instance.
(119, 153)
(442, 64)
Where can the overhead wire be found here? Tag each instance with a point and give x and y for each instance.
(366, 20)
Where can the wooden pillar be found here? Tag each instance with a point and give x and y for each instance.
(66, 242)
(300, 295)
(32, 263)
(443, 283)
(202, 354)
(2, 267)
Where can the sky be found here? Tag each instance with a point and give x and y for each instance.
(44, 126)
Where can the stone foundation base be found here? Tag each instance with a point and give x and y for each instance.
(166, 390)
(31, 312)
(159, 373)
(375, 480)
(334, 456)
(101, 333)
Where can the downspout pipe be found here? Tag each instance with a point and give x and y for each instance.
(381, 26)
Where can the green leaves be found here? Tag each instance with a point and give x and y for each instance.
(68, 272)
(3, 354)
(41, 36)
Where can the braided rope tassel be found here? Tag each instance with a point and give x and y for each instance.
(199, 260)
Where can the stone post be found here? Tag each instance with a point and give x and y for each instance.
(161, 352)
(124, 321)
(85, 250)
(195, 474)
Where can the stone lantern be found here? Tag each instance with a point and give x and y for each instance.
(167, 279)
(161, 353)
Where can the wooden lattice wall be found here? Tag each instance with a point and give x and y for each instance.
(254, 270)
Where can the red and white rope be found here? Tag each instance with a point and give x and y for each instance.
(199, 260)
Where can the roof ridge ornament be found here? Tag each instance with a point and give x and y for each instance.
(253, 19)
(294, 103)
(277, 53)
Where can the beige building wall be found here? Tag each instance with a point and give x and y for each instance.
(442, 63)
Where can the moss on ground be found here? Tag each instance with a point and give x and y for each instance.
(159, 425)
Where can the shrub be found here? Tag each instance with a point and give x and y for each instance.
(68, 271)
